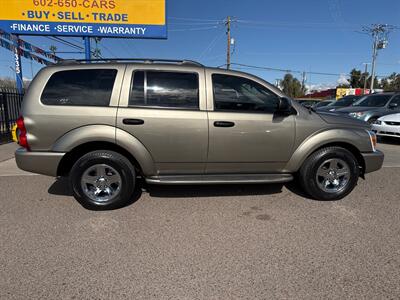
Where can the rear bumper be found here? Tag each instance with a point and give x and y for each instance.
(45, 163)
(373, 161)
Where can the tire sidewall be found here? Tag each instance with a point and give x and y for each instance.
(114, 160)
(309, 176)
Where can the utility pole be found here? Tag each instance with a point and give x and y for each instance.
(374, 56)
(303, 82)
(97, 51)
(228, 49)
(365, 77)
(379, 34)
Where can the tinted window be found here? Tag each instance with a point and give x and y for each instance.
(232, 93)
(137, 92)
(396, 100)
(374, 101)
(344, 102)
(165, 89)
(80, 87)
(323, 103)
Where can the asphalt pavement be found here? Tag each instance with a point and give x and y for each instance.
(201, 242)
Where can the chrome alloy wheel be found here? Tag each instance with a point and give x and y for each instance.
(333, 175)
(101, 183)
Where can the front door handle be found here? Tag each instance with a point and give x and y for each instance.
(223, 124)
(133, 121)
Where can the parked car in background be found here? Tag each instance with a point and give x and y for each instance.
(387, 126)
(343, 102)
(370, 108)
(307, 103)
(323, 103)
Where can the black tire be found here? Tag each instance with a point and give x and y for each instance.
(372, 120)
(118, 163)
(308, 173)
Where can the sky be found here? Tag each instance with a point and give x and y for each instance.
(310, 35)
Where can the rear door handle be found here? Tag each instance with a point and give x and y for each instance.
(223, 124)
(133, 121)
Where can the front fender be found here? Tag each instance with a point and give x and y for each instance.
(357, 138)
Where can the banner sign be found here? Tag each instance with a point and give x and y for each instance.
(24, 45)
(93, 18)
(21, 52)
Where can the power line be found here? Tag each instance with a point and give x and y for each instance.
(211, 45)
(194, 29)
(194, 19)
(64, 42)
(108, 50)
(296, 71)
(68, 42)
(195, 24)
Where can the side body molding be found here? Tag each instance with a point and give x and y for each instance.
(109, 134)
(356, 137)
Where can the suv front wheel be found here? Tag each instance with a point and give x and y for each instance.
(330, 173)
(103, 180)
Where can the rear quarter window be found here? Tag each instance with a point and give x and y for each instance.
(80, 88)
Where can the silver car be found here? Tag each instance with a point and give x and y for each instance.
(387, 126)
(370, 108)
(178, 122)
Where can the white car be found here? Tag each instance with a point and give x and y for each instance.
(388, 125)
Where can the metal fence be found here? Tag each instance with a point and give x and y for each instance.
(10, 106)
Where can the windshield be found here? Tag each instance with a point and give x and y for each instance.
(373, 101)
(344, 102)
(322, 103)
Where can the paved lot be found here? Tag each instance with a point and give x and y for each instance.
(218, 242)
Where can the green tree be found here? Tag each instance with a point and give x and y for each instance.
(292, 87)
(391, 83)
(376, 83)
(355, 79)
(364, 77)
(53, 49)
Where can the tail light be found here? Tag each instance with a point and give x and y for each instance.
(22, 139)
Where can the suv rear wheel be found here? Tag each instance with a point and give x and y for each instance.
(330, 173)
(103, 180)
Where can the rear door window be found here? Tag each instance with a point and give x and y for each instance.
(80, 88)
(165, 89)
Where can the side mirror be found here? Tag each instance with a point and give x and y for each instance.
(393, 105)
(284, 105)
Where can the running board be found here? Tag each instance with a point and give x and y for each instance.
(220, 179)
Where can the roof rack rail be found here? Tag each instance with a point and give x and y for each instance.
(144, 60)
